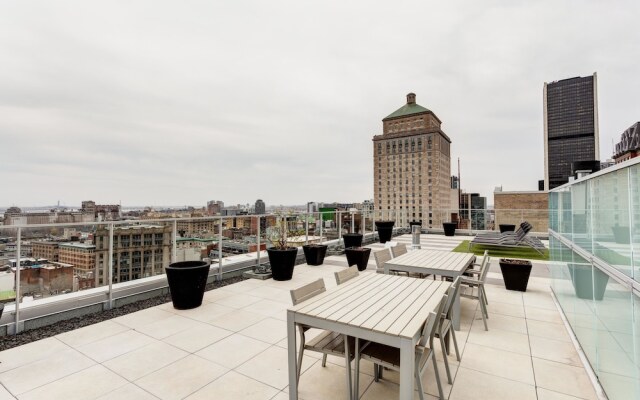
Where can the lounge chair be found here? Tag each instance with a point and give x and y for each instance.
(509, 239)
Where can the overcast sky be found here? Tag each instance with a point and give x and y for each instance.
(173, 102)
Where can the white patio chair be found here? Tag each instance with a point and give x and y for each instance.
(472, 272)
(327, 342)
(346, 274)
(398, 250)
(384, 356)
(381, 257)
(445, 326)
(481, 294)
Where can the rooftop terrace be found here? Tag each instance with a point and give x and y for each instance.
(234, 347)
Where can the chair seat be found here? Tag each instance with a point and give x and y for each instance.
(445, 325)
(330, 342)
(382, 354)
(471, 282)
(390, 356)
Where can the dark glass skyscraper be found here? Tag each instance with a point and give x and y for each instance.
(570, 126)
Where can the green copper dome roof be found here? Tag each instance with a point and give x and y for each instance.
(408, 109)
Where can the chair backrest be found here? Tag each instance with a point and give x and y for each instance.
(307, 291)
(452, 292)
(346, 274)
(398, 250)
(485, 269)
(431, 324)
(484, 258)
(525, 228)
(381, 257)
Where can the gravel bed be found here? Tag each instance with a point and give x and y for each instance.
(10, 341)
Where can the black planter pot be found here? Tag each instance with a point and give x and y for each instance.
(507, 228)
(187, 281)
(621, 234)
(1, 309)
(583, 283)
(358, 256)
(516, 276)
(385, 230)
(449, 228)
(352, 240)
(314, 253)
(282, 263)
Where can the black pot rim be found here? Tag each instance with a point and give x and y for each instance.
(314, 245)
(182, 265)
(509, 261)
(287, 249)
(385, 222)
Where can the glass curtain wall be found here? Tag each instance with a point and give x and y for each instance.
(595, 260)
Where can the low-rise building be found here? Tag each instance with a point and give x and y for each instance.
(47, 278)
(518, 206)
(138, 251)
(48, 250)
(81, 255)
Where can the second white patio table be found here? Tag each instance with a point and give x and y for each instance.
(434, 262)
(386, 309)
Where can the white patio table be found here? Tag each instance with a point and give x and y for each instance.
(434, 262)
(386, 309)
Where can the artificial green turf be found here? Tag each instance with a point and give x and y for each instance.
(503, 252)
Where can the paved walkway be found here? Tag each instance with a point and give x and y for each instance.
(234, 347)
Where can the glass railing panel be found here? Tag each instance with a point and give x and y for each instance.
(634, 216)
(611, 220)
(616, 362)
(553, 211)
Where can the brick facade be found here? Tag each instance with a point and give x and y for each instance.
(516, 207)
(411, 164)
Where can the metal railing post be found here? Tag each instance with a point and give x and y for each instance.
(373, 223)
(258, 243)
(174, 240)
(110, 272)
(321, 223)
(18, 251)
(353, 223)
(339, 218)
(220, 249)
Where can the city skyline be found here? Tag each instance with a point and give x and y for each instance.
(157, 103)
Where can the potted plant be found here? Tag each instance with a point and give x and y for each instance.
(187, 281)
(449, 228)
(314, 253)
(358, 256)
(515, 273)
(582, 277)
(352, 240)
(282, 257)
(385, 230)
(621, 234)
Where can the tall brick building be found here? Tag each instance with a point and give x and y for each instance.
(411, 165)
